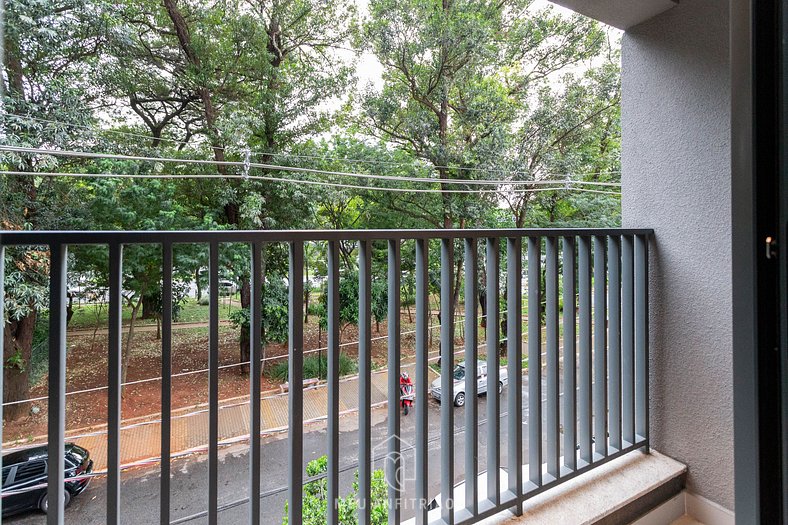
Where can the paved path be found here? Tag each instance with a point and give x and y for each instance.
(141, 440)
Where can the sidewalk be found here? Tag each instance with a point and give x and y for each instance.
(140, 441)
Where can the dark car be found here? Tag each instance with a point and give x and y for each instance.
(28, 469)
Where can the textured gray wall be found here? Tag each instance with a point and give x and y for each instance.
(677, 180)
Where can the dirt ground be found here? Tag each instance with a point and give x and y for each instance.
(86, 368)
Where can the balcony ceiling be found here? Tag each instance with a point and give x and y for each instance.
(622, 14)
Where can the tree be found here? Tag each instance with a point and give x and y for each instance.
(249, 74)
(50, 48)
(26, 296)
(274, 314)
(151, 204)
(349, 300)
(570, 127)
(455, 73)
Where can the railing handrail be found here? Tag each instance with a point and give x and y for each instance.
(22, 237)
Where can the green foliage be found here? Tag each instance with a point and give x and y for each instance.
(314, 503)
(16, 361)
(380, 300)
(180, 294)
(348, 300)
(25, 283)
(314, 366)
(274, 313)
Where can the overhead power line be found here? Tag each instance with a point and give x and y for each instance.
(301, 181)
(257, 153)
(313, 171)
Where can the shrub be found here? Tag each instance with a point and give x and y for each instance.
(315, 502)
(314, 366)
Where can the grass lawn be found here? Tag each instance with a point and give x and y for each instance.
(86, 316)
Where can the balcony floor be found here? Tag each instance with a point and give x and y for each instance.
(615, 493)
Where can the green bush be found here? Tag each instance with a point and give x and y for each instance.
(315, 502)
(314, 309)
(314, 366)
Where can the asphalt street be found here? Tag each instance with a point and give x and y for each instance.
(189, 484)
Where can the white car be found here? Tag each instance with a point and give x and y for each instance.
(459, 382)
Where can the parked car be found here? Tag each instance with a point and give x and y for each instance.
(28, 468)
(459, 382)
(227, 287)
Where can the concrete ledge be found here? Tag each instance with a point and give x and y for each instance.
(687, 508)
(617, 492)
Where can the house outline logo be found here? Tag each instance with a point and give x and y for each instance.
(403, 465)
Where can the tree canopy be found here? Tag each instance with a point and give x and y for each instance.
(470, 90)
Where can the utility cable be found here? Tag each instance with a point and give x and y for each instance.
(242, 164)
(258, 153)
(302, 181)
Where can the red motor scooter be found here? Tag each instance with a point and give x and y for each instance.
(406, 392)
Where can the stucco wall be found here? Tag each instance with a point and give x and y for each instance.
(676, 179)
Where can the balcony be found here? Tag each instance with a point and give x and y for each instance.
(577, 370)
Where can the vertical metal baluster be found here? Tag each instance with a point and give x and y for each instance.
(57, 382)
(422, 356)
(2, 343)
(213, 385)
(600, 347)
(551, 321)
(334, 327)
(628, 340)
(646, 377)
(584, 380)
(570, 346)
(394, 461)
(614, 340)
(166, 382)
(365, 382)
(114, 388)
(514, 353)
(447, 382)
(534, 362)
(493, 400)
(641, 338)
(295, 397)
(255, 370)
(471, 373)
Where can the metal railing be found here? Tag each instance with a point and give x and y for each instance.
(601, 358)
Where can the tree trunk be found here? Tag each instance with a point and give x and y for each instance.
(245, 348)
(17, 346)
(457, 285)
(69, 308)
(197, 283)
(244, 342)
(306, 294)
(149, 307)
(126, 357)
